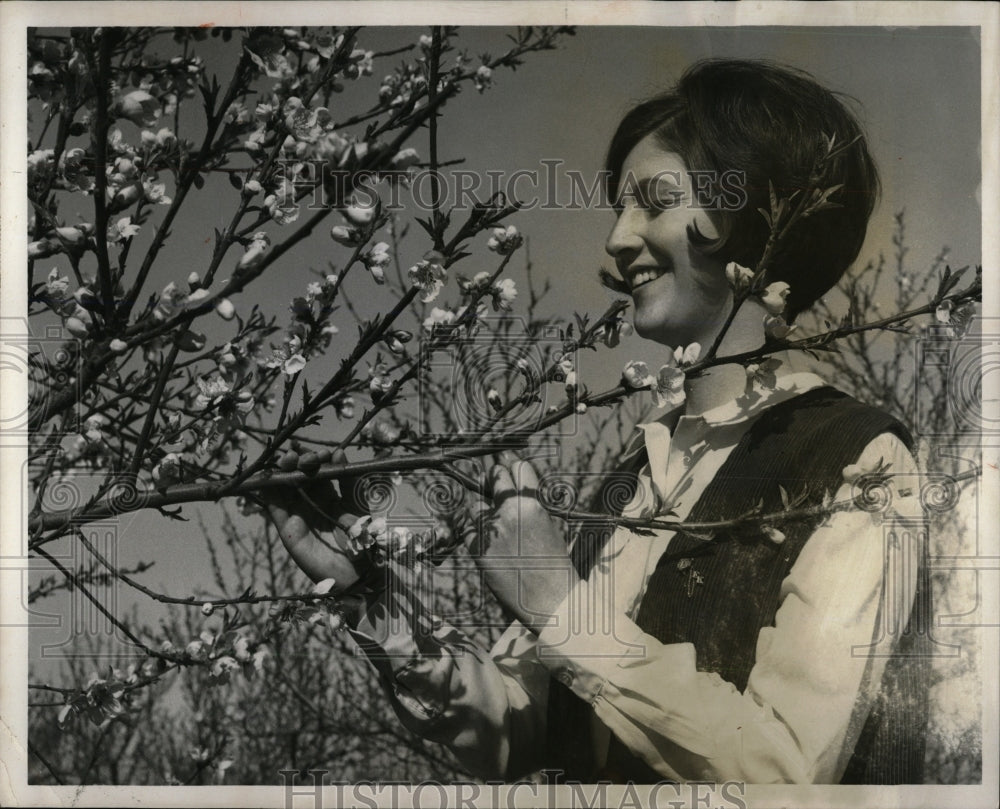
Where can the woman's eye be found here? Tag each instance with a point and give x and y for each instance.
(653, 202)
(664, 200)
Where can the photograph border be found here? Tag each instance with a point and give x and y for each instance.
(16, 17)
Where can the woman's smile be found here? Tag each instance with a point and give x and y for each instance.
(640, 276)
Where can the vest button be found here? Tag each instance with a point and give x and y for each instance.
(565, 676)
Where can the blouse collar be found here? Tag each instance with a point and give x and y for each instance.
(738, 410)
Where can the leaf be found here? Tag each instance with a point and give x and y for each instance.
(784, 496)
(208, 96)
(829, 192)
(801, 497)
(235, 180)
(949, 280)
(782, 207)
(427, 226)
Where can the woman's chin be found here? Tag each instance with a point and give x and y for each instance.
(655, 330)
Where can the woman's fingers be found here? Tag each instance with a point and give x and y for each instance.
(501, 484)
(507, 457)
(314, 543)
(525, 476)
(312, 522)
(518, 477)
(317, 559)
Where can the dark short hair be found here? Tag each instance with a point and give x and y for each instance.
(769, 122)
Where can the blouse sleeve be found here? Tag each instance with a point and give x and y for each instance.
(487, 708)
(813, 681)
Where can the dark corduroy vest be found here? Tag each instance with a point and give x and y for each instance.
(718, 595)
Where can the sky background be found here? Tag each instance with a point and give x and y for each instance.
(917, 94)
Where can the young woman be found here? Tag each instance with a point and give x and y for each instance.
(727, 653)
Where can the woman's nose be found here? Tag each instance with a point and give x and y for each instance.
(624, 242)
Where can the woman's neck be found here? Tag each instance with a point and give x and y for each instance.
(714, 388)
(721, 384)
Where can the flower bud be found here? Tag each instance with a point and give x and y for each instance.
(636, 375)
(309, 463)
(43, 248)
(528, 369)
(738, 276)
(72, 236)
(139, 107)
(344, 235)
(505, 241)
(773, 534)
(774, 297)
(361, 212)
(77, 327)
(323, 587)
(255, 252)
(405, 159)
(126, 196)
(776, 328)
(504, 293)
(687, 356)
(225, 309)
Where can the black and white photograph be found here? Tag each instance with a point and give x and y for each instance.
(499, 404)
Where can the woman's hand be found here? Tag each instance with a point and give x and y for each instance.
(520, 548)
(313, 521)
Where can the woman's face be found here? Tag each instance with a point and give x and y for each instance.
(680, 295)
